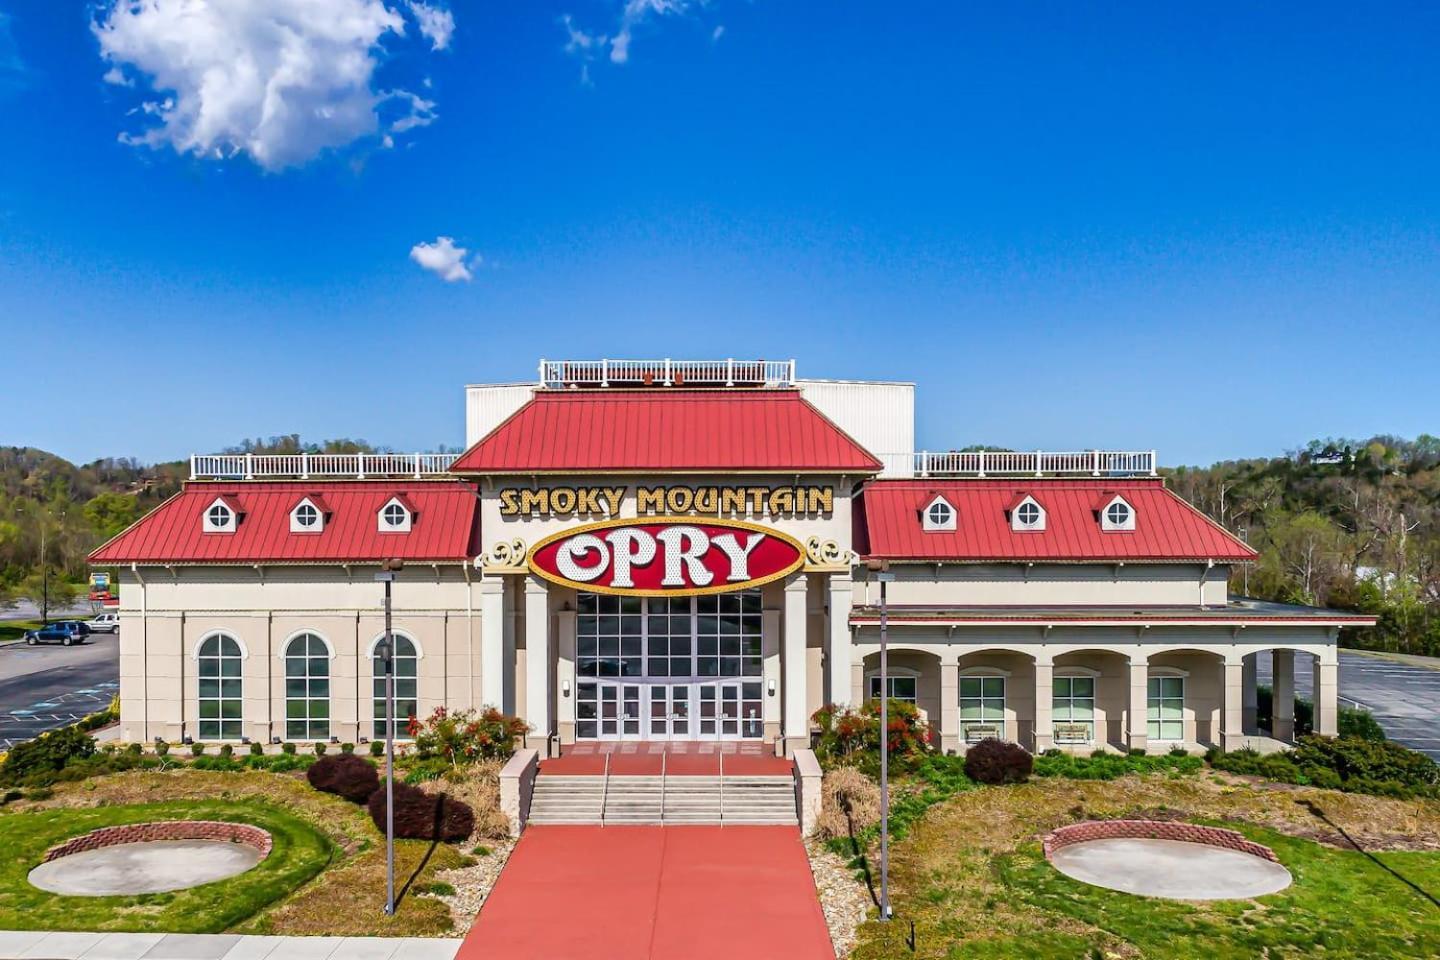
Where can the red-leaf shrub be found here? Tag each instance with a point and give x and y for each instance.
(344, 775)
(423, 816)
(998, 761)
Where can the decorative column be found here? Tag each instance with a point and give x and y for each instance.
(1282, 702)
(796, 724)
(564, 691)
(1232, 699)
(537, 664)
(837, 664)
(949, 706)
(1250, 709)
(1044, 736)
(492, 641)
(771, 642)
(1136, 737)
(1327, 692)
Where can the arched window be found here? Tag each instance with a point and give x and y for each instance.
(982, 707)
(405, 687)
(221, 705)
(307, 688)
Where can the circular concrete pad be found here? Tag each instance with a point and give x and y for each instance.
(1170, 868)
(150, 867)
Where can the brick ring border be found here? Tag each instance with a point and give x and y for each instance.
(216, 830)
(1153, 830)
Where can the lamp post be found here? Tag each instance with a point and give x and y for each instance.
(881, 569)
(385, 649)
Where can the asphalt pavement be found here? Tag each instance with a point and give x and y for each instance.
(1403, 696)
(48, 686)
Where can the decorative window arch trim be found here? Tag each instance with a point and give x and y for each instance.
(1168, 672)
(1076, 671)
(1110, 526)
(946, 526)
(419, 650)
(983, 672)
(1018, 526)
(894, 672)
(285, 644)
(407, 522)
(322, 514)
(195, 650)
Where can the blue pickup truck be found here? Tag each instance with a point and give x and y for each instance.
(65, 632)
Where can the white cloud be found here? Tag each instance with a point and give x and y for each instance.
(445, 260)
(717, 33)
(635, 12)
(278, 80)
(436, 23)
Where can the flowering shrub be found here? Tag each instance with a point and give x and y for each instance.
(853, 736)
(463, 736)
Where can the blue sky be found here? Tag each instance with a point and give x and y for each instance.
(1206, 228)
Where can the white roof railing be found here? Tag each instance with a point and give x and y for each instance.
(306, 466)
(667, 373)
(1034, 463)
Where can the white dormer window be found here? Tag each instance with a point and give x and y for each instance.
(219, 518)
(938, 515)
(396, 517)
(1027, 516)
(307, 517)
(1117, 514)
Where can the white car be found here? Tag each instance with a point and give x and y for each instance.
(105, 623)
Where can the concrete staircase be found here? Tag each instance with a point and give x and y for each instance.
(619, 800)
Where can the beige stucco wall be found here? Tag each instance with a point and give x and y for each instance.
(1138, 584)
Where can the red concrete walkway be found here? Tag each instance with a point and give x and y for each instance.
(653, 893)
(681, 758)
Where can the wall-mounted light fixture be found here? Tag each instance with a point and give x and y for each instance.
(770, 686)
(564, 688)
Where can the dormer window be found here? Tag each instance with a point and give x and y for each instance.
(1026, 515)
(396, 516)
(222, 516)
(308, 516)
(1116, 514)
(938, 515)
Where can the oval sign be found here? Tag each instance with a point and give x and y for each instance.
(666, 556)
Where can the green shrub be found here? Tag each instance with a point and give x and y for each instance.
(1377, 767)
(377, 748)
(221, 763)
(134, 749)
(319, 748)
(287, 747)
(1359, 724)
(11, 796)
(256, 750)
(46, 754)
(425, 768)
(162, 748)
(278, 762)
(852, 737)
(440, 889)
(197, 749)
(1108, 766)
(40, 793)
(465, 736)
(347, 748)
(227, 751)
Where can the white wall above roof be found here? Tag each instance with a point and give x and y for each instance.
(487, 405)
(880, 416)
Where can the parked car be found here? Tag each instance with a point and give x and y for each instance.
(65, 632)
(105, 623)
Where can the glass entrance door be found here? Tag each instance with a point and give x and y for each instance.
(730, 711)
(608, 711)
(670, 709)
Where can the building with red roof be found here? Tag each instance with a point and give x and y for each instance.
(661, 550)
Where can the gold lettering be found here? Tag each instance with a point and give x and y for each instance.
(707, 500)
(732, 500)
(822, 500)
(587, 500)
(614, 496)
(562, 500)
(782, 501)
(680, 499)
(649, 500)
(508, 506)
(757, 499)
(532, 501)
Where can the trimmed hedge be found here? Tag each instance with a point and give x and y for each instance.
(423, 816)
(344, 775)
(1110, 766)
(1356, 765)
(998, 761)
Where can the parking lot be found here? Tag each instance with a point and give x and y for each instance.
(1404, 697)
(44, 687)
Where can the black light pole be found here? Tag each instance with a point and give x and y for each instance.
(881, 569)
(386, 651)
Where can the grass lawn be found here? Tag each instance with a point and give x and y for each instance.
(972, 878)
(11, 630)
(298, 854)
(331, 883)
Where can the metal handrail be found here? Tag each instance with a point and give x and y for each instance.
(663, 755)
(306, 466)
(667, 372)
(1038, 463)
(720, 752)
(605, 790)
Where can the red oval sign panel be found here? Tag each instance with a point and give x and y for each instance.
(665, 556)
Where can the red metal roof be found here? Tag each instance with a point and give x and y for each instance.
(446, 525)
(887, 522)
(626, 431)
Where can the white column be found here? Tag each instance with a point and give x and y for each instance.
(1232, 699)
(796, 722)
(1044, 704)
(1327, 692)
(1282, 703)
(1250, 710)
(492, 642)
(837, 663)
(564, 690)
(1136, 737)
(949, 706)
(537, 664)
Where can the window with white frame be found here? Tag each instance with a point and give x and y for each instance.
(938, 515)
(306, 518)
(1073, 709)
(406, 662)
(982, 707)
(902, 687)
(1117, 515)
(307, 688)
(221, 690)
(1165, 708)
(219, 518)
(1028, 515)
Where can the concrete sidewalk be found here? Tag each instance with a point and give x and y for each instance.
(42, 945)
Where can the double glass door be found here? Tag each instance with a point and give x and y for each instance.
(721, 710)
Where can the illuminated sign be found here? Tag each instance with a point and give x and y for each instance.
(671, 500)
(666, 556)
